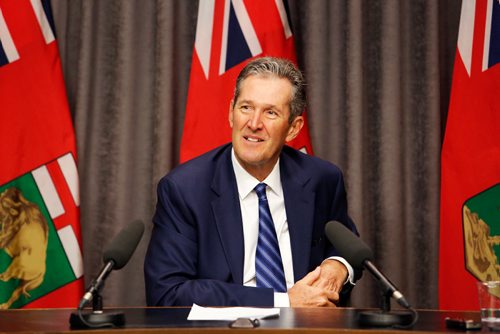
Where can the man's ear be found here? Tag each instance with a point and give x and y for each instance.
(230, 116)
(295, 128)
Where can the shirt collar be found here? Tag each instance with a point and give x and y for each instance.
(246, 182)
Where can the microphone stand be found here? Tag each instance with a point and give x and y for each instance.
(97, 318)
(116, 256)
(385, 317)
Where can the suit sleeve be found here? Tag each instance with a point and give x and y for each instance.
(339, 213)
(170, 267)
(339, 210)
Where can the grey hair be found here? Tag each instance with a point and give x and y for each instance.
(282, 68)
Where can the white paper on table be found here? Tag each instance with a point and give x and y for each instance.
(231, 313)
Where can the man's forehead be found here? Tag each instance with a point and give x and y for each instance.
(267, 79)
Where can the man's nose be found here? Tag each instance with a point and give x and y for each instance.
(255, 121)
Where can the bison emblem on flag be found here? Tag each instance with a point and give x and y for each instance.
(481, 215)
(39, 250)
(23, 236)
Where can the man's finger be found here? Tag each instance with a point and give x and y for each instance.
(326, 301)
(330, 304)
(332, 296)
(311, 277)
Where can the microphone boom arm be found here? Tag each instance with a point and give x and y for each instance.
(96, 284)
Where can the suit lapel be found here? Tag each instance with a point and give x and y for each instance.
(227, 213)
(299, 205)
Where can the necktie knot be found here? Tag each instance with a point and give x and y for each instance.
(260, 190)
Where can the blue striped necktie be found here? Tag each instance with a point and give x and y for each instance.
(268, 265)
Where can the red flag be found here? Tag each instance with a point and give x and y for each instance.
(228, 33)
(40, 241)
(470, 183)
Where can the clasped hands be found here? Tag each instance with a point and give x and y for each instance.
(320, 287)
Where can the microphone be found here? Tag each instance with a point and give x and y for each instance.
(116, 256)
(359, 255)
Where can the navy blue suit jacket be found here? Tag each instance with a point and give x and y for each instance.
(195, 254)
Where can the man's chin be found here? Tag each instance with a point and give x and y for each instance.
(253, 161)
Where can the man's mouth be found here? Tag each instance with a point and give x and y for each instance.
(253, 140)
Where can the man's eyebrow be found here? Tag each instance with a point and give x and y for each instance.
(244, 101)
(265, 105)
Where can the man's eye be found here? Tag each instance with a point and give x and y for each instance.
(272, 113)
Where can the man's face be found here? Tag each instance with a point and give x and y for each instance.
(260, 123)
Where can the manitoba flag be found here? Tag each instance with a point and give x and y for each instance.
(470, 172)
(228, 33)
(40, 241)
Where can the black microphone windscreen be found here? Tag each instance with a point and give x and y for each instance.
(122, 247)
(349, 245)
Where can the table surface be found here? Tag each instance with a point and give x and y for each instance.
(153, 320)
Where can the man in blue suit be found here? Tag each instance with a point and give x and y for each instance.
(206, 245)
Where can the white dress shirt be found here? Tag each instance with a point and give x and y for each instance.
(249, 204)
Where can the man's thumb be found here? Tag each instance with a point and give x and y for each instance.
(311, 277)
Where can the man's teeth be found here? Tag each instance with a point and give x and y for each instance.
(253, 139)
